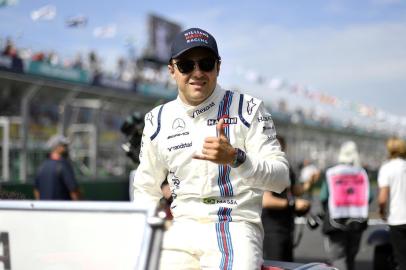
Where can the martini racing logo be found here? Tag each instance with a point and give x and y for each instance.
(227, 121)
(202, 110)
(219, 201)
(180, 146)
(196, 36)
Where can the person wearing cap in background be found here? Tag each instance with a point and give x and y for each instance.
(392, 192)
(218, 150)
(55, 179)
(345, 196)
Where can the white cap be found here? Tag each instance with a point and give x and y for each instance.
(56, 140)
(349, 154)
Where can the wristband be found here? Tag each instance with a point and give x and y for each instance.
(291, 202)
(239, 158)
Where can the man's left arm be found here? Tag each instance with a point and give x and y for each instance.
(261, 163)
(69, 179)
(266, 166)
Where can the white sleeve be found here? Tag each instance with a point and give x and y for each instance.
(383, 177)
(266, 166)
(150, 173)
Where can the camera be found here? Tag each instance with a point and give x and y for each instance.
(313, 221)
(132, 128)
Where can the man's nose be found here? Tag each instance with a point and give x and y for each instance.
(197, 71)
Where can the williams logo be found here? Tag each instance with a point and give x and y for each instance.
(219, 201)
(227, 121)
(203, 109)
(180, 146)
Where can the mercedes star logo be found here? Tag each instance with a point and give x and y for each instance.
(178, 125)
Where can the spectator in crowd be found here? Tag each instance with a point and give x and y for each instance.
(38, 57)
(309, 174)
(278, 216)
(78, 62)
(392, 191)
(218, 151)
(52, 58)
(345, 196)
(55, 179)
(9, 48)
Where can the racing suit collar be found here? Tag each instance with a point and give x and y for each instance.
(207, 105)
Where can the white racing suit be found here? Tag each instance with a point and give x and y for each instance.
(216, 208)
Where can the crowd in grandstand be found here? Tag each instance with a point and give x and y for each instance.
(129, 72)
(126, 69)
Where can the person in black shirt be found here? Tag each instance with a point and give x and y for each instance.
(278, 216)
(55, 179)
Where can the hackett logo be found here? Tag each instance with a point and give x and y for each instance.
(264, 118)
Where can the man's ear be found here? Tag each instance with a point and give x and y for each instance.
(218, 68)
(171, 70)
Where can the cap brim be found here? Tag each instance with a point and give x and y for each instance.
(199, 46)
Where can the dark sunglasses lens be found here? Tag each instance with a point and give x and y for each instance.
(207, 64)
(185, 66)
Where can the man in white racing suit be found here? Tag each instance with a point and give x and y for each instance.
(218, 150)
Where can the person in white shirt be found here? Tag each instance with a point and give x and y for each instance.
(392, 191)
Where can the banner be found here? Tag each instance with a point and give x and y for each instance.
(108, 82)
(161, 34)
(4, 3)
(47, 13)
(58, 72)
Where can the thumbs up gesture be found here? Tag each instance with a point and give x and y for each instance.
(217, 149)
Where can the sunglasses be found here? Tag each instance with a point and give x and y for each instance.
(187, 65)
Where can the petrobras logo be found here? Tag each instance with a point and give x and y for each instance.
(227, 121)
(203, 109)
(180, 146)
(196, 36)
(264, 118)
(178, 134)
(219, 201)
